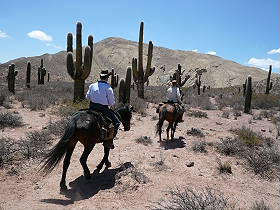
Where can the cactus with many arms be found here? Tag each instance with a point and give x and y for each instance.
(248, 95)
(139, 76)
(79, 70)
(12, 73)
(28, 74)
(178, 77)
(124, 89)
(268, 83)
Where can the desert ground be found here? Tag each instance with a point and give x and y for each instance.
(143, 171)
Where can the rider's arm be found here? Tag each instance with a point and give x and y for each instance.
(178, 96)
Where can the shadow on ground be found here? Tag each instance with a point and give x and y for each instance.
(174, 144)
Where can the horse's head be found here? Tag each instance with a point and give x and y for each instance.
(125, 113)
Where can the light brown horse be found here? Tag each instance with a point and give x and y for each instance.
(82, 127)
(169, 113)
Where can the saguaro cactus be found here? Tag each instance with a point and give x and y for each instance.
(268, 83)
(248, 95)
(41, 73)
(139, 76)
(124, 89)
(78, 70)
(12, 73)
(28, 74)
(114, 79)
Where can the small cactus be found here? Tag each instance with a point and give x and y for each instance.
(248, 95)
(139, 76)
(124, 89)
(198, 83)
(12, 73)
(268, 83)
(28, 74)
(79, 70)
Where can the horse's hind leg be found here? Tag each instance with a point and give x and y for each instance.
(168, 129)
(83, 160)
(105, 160)
(173, 130)
(159, 126)
(66, 164)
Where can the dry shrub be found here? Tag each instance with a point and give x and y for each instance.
(230, 146)
(188, 199)
(145, 140)
(248, 136)
(195, 132)
(199, 146)
(224, 167)
(9, 119)
(198, 114)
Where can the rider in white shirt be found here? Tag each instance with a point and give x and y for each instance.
(173, 93)
(101, 96)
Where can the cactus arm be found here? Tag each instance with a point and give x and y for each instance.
(268, 80)
(134, 69)
(140, 53)
(69, 42)
(16, 73)
(87, 63)
(78, 48)
(90, 44)
(248, 95)
(71, 65)
(185, 80)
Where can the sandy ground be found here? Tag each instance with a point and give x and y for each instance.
(27, 189)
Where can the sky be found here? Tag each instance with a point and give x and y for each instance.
(245, 31)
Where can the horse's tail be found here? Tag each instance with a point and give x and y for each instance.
(58, 151)
(162, 117)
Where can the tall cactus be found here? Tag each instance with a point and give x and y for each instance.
(268, 83)
(124, 89)
(28, 74)
(12, 73)
(41, 73)
(114, 79)
(139, 76)
(248, 95)
(79, 70)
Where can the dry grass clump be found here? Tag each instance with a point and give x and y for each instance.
(145, 140)
(195, 132)
(248, 136)
(224, 168)
(198, 114)
(10, 119)
(189, 199)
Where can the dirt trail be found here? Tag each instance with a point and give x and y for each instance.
(29, 190)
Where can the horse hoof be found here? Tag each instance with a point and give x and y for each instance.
(108, 165)
(63, 187)
(97, 171)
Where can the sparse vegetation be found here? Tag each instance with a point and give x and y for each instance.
(265, 101)
(224, 167)
(195, 132)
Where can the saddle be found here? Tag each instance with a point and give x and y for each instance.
(104, 123)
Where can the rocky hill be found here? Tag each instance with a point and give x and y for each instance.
(117, 53)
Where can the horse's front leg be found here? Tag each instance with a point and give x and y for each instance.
(105, 159)
(168, 129)
(173, 130)
(83, 160)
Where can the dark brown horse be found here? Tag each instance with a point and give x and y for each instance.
(82, 127)
(167, 112)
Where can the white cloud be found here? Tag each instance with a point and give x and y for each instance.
(3, 34)
(41, 35)
(263, 63)
(211, 53)
(274, 51)
(195, 50)
(54, 46)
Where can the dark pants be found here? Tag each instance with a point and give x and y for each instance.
(106, 112)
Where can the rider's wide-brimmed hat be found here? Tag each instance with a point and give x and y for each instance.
(174, 81)
(105, 73)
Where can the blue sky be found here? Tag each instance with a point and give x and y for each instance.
(245, 31)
